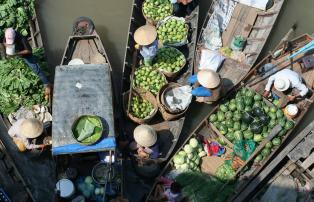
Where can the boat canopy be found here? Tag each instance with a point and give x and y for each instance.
(81, 90)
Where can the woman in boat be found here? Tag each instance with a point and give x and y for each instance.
(207, 86)
(182, 8)
(17, 45)
(145, 143)
(24, 131)
(283, 81)
(146, 39)
(167, 190)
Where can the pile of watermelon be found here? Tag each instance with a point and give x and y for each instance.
(247, 116)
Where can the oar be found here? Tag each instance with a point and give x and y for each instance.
(271, 135)
(134, 60)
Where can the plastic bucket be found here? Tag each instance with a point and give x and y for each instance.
(66, 188)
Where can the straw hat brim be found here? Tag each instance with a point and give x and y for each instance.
(145, 35)
(31, 128)
(208, 78)
(145, 135)
(286, 83)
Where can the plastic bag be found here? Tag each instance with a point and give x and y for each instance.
(210, 60)
(225, 172)
(244, 148)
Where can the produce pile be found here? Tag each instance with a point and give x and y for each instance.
(19, 86)
(172, 31)
(169, 59)
(198, 187)
(141, 108)
(89, 189)
(189, 158)
(149, 78)
(248, 117)
(157, 9)
(13, 14)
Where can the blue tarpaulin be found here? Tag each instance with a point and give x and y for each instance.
(81, 90)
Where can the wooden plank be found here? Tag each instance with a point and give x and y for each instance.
(220, 135)
(252, 185)
(308, 162)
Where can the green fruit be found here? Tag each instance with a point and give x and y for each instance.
(169, 59)
(256, 127)
(257, 111)
(223, 129)
(230, 136)
(229, 123)
(238, 135)
(250, 93)
(266, 109)
(282, 122)
(258, 97)
(257, 104)
(276, 103)
(265, 134)
(257, 138)
(273, 109)
(279, 114)
(228, 115)
(220, 116)
(282, 133)
(248, 101)
(237, 126)
(248, 134)
(221, 141)
(276, 141)
(272, 123)
(223, 108)
(289, 125)
(269, 145)
(272, 115)
(264, 119)
(258, 158)
(265, 152)
(237, 116)
(248, 109)
(213, 118)
(244, 126)
(239, 99)
(240, 106)
(233, 106)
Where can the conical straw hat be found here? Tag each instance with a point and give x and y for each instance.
(145, 135)
(145, 35)
(208, 78)
(31, 128)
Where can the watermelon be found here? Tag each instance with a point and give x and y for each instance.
(282, 122)
(258, 158)
(276, 103)
(257, 111)
(276, 141)
(250, 93)
(229, 123)
(213, 118)
(237, 116)
(264, 119)
(265, 134)
(248, 101)
(221, 141)
(247, 117)
(232, 106)
(265, 129)
(237, 125)
(289, 125)
(248, 109)
(238, 135)
(223, 129)
(231, 129)
(228, 115)
(272, 115)
(256, 127)
(220, 116)
(282, 133)
(223, 108)
(266, 109)
(279, 114)
(232, 101)
(265, 152)
(247, 134)
(269, 145)
(239, 100)
(257, 137)
(230, 136)
(240, 106)
(244, 126)
(258, 97)
(273, 109)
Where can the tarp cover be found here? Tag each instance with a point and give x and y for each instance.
(80, 90)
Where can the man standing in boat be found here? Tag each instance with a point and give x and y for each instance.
(207, 86)
(146, 39)
(283, 81)
(17, 45)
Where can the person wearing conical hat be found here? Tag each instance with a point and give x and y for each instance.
(24, 131)
(145, 143)
(146, 39)
(207, 86)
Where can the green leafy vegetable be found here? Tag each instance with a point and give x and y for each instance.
(87, 129)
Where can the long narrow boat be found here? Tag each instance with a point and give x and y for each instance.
(216, 127)
(250, 23)
(174, 126)
(75, 161)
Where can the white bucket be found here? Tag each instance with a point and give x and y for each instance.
(10, 49)
(76, 61)
(66, 188)
(292, 110)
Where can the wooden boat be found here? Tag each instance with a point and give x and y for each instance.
(208, 131)
(174, 126)
(253, 25)
(295, 160)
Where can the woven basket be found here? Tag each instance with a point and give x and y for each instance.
(166, 112)
(146, 95)
(153, 22)
(171, 75)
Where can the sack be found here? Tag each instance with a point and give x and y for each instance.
(210, 60)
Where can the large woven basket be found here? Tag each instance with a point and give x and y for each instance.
(166, 112)
(146, 95)
(171, 75)
(153, 22)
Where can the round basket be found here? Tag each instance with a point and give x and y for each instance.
(166, 112)
(171, 75)
(146, 95)
(177, 44)
(151, 21)
(100, 173)
(94, 138)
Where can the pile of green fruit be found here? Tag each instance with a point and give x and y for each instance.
(157, 9)
(149, 78)
(141, 108)
(189, 158)
(169, 59)
(172, 31)
(247, 116)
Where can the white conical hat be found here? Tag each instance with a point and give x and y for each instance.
(282, 84)
(208, 78)
(145, 135)
(31, 128)
(145, 35)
